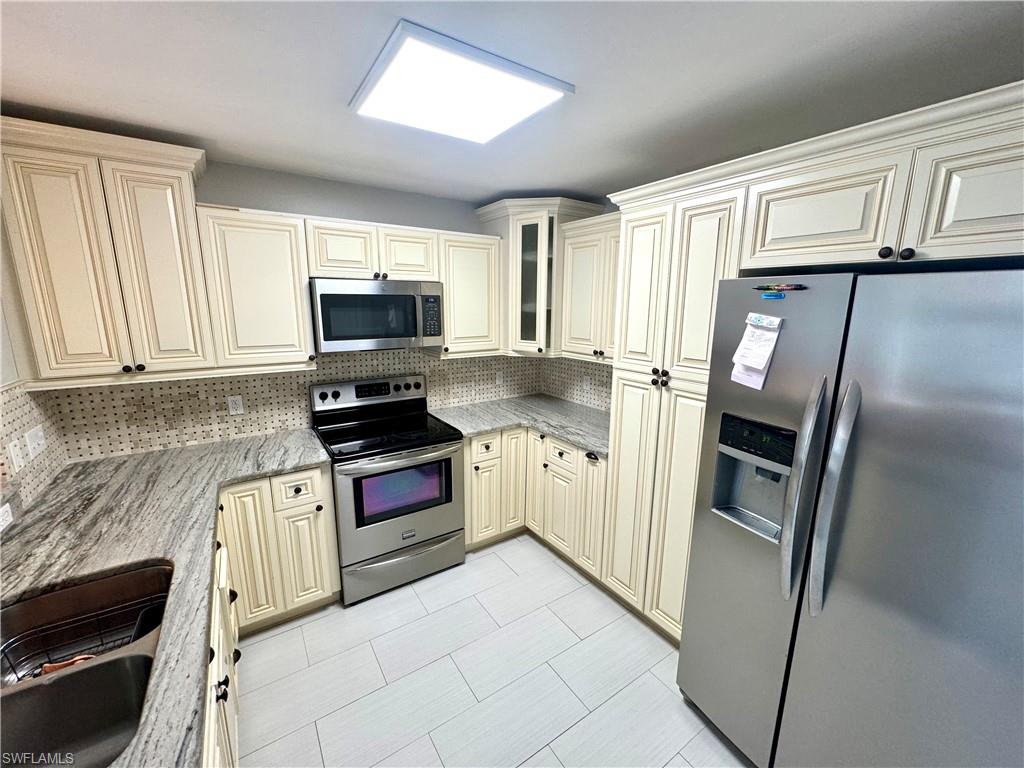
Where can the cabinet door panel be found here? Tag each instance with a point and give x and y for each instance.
(535, 482)
(408, 254)
(156, 240)
(256, 267)
(530, 254)
(634, 438)
(253, 551)
(967, 198)
(706, 250)
(471, 300)
(513, 459)
(60, 238)
(609, 316)
(339, 248)
(560, 499)
(642, 275)
(841, 213)
(484, 479)
(582, 299)
(590, 528)
(303, 538)
(682, 421)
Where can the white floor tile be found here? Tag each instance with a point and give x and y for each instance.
(544, 758)
(642, 725)
(299, 749)
(277, 709)
(419, 754)
(665, 670)
(524, 594)
(709, 750)
(523, 555)
(527, 714)
(458, 583)
(587, 610)
(437, 634)
(499, 658)
(298, 621)
(609, 659)
(387, 720)
(677, 761)
(346, 628)
(271, 659)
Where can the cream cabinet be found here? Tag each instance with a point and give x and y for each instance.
(472, 281)
(341, 248)
(497, 483)
(589, 275)
(514, 450)
(304, 535)
(258, 279)
(408, 254)
(561, 500)
(587, 551)
(535, 456)
(220, 721)
(483, 499)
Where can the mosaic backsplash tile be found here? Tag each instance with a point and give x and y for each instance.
(580, 381)
(19, 412)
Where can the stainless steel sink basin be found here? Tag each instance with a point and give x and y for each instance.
(90, 710)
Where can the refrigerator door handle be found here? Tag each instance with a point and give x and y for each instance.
(798, 481)
(827, 500)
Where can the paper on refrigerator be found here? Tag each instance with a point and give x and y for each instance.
(754, 354)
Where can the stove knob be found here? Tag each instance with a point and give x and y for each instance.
(417, 385)
(397, 387)
(322, 396)
(407, 386)
(335, 394)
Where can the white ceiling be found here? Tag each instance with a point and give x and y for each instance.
(661, 88)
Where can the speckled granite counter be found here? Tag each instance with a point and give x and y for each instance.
(112, 515)
(576, 424)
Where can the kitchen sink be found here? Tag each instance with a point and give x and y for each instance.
(90, 709)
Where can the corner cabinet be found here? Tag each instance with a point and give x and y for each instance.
(471, 274)
(257, 272)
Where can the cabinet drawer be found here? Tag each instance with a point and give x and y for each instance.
(562, 454)
(298, 488)
(483, 447)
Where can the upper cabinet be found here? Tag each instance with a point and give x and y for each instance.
(256, 268)
(589, 274)
(362, 250)
(408, 254)
(471, 300)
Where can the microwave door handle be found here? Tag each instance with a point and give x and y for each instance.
(798, 482)
(381, 465)
(827, 500)
(419, 317)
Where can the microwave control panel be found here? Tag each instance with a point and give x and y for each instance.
(431, 315)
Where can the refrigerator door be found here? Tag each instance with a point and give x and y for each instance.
(742, 583)
(914, 657)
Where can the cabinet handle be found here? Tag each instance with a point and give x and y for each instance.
(384, 276)
(545, 465)
(446, 349)
(540, 349)
(222, 694)
(140, 367)
(592, 456)
(236, 655)
(376, 275)
(595, 352)
(220, 507)
(312, 358)
(225, 683)
(664, 382)
(561, 454)
(907, 253)
(319, 507)
(487, 446)
(600, 353)
(885, 253)
(654, 382)
(476, 469)
(212, 654)
(664, 373)
(216, 546)
(232, 596)
(297, 489)
(542, 437)
(655, 371)
(126, 369)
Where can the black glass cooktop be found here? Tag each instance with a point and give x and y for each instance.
(361, 439)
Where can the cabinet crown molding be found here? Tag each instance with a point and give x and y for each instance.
(560, 205)
(607, 222)
(1008, 99)
(29, 133)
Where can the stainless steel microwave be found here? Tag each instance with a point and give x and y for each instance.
(352, 315)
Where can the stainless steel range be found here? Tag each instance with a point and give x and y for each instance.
(398, 485)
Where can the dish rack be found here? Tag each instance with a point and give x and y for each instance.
(96, 633)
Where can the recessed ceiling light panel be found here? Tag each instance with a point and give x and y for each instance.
(427, 80)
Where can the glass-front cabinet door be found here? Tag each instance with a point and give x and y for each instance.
(533, 238)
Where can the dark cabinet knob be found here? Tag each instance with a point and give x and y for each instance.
(236, 655)
(446, 349)
(885, 253)
(595, 353)
(232, 596)
(907, 253)
(540, 349)
(225, 683)
(600, 353)
(592, 456)
(654, 371)
(654, 382)
(297, 490)
(561, 454)
(545, 465)
(487, 446)
(213, 654)
(216, 546)
(319, 507)
(140, 367)
(222, 694)
(126, 369)
(476, 469)
(376, 275)
(220, 507)
(664, 382)
(542, 437)
(312, 358)
(664, 373)
(384, 276)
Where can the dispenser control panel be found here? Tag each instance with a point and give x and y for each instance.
(758, 439)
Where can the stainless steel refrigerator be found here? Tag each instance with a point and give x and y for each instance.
(854, 591)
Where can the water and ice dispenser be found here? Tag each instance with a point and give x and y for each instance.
(752, 473)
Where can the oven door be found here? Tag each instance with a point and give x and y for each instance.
(356, 315)
(390, 502)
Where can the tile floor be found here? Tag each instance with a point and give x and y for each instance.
(512, 659)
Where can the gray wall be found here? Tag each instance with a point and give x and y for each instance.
(246, 187)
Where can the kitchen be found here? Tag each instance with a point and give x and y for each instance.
(339, 448)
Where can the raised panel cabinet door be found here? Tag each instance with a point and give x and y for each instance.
(610, 313)
(535, 482)
(408, 254)
(471, 298)
(675, 487)
(632, 455)
(485, 499)
(529, 253)
(706, 250)
(259, 295)
(967, 198)
(844, 212)
(513, 459)
(560, 508)
(590, 528)
(582, 297)
(306, 566)
(64, 258)
(642, 289)
(156, 240)
(253, 551)
(339, 248)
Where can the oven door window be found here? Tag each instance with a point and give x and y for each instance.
(354, 316)
(402, 491)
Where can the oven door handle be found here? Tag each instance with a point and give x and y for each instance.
(382, 465)
(406, 555)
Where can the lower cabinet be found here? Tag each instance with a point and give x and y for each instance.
(220, 722)
(560, 505)
(534, 482)
(514, 449)
(483, 498)
(590, 520)
(496, 483)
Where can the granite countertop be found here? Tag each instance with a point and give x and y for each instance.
(112, 515)
(573, 423)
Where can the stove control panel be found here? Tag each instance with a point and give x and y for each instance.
(349, 394)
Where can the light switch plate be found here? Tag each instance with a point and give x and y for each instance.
(236, 406)
(499, 378)
(35, 440)
(6, 516)
(17, 457)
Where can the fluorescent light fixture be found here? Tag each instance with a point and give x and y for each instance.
(427, 80)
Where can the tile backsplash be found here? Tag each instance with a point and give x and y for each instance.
(20, 411)
(580, 381)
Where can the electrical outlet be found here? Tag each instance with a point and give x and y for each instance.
(35, 440)
(499, 378)
(17, 457)
(236, 407)
(6, 516)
